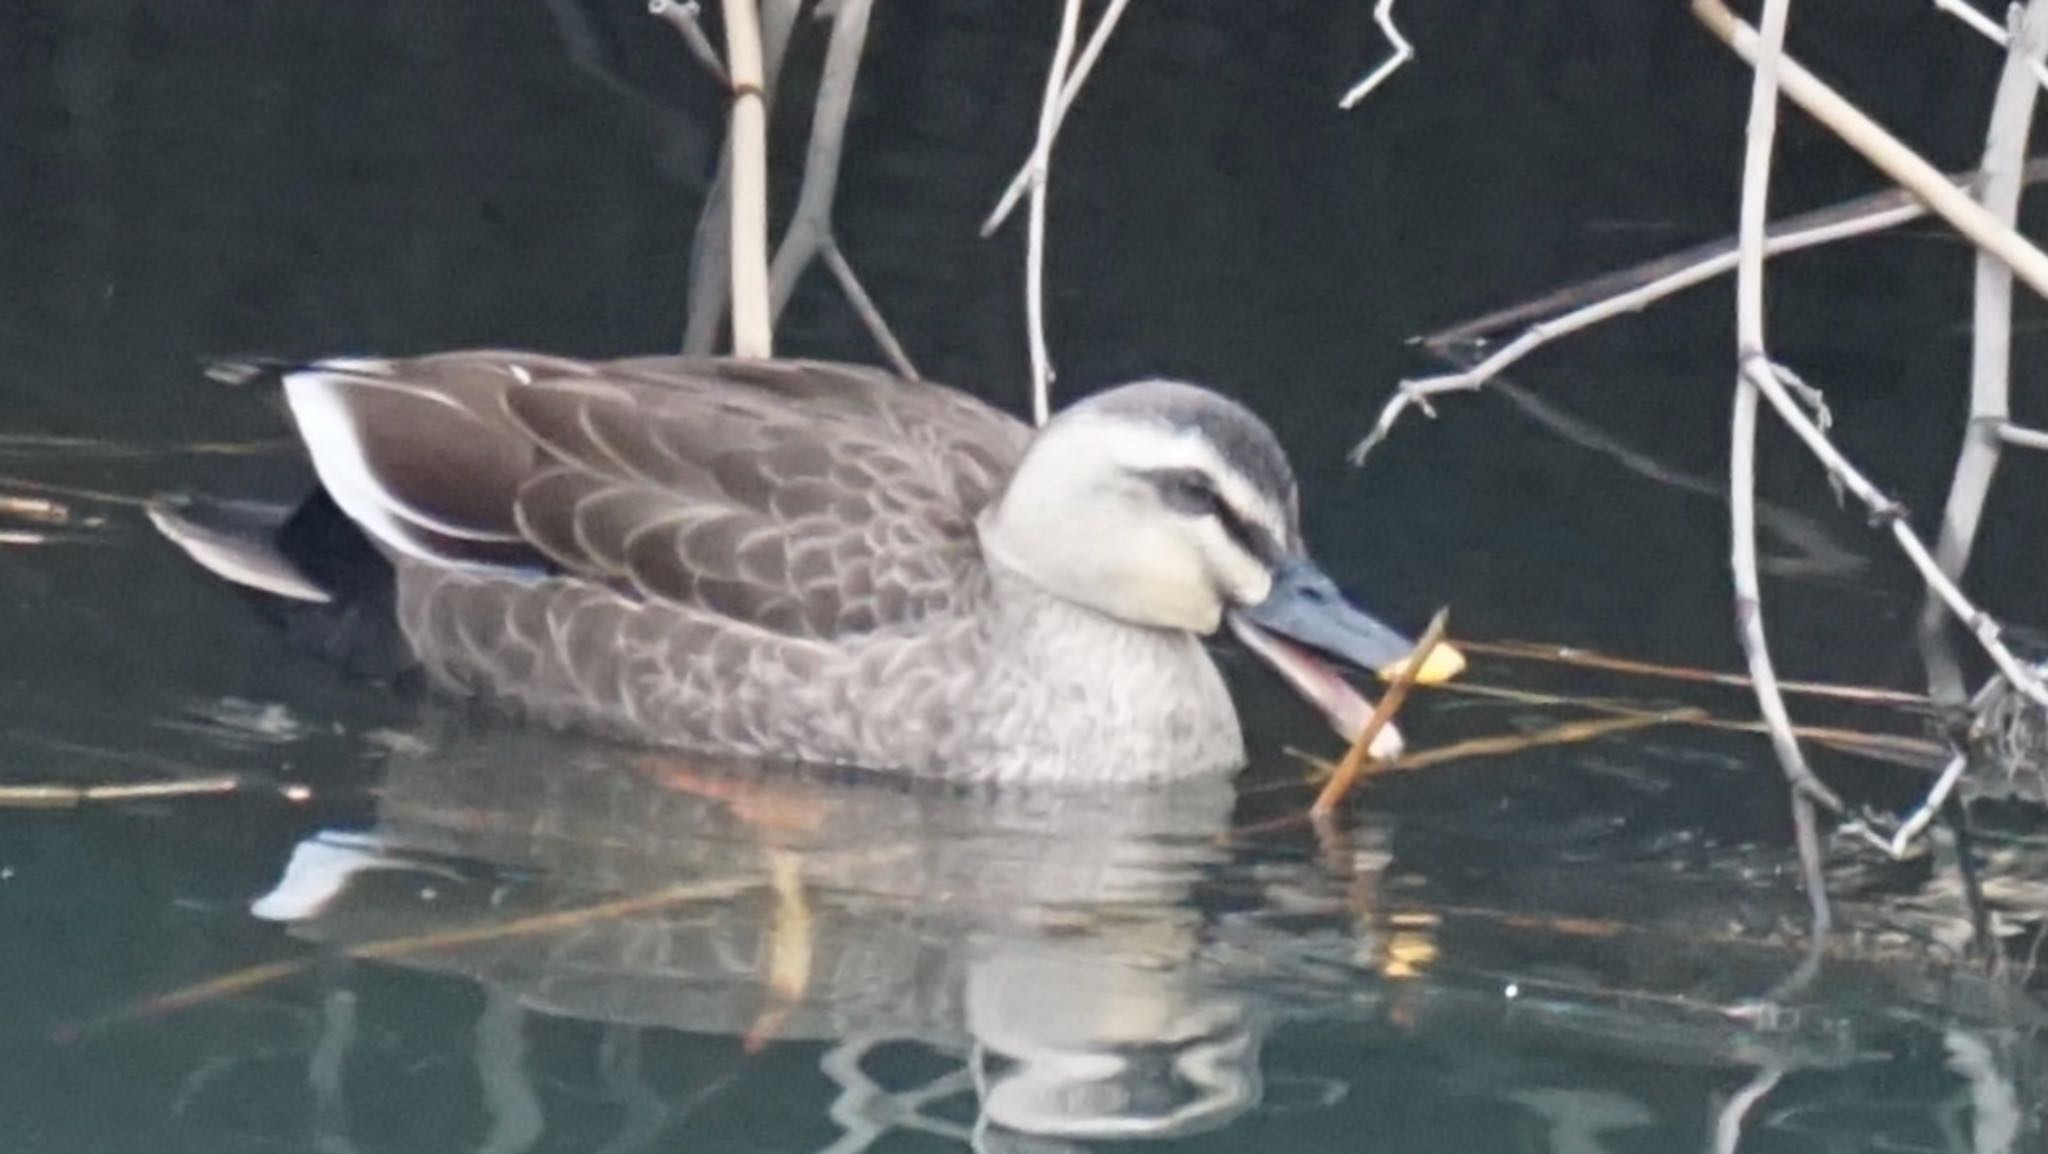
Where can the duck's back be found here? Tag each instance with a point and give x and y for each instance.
(705, 553)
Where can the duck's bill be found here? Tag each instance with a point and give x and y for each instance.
(1305, 606)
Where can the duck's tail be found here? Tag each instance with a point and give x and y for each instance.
(308, 568)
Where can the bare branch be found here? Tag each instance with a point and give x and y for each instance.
(2005, 143)
(1383, 15)
(1885, 152)
(1890, 514)
(1021, 183)
(1749, 339)
(1984, 26)
(1580, 306)
(1034, 245)
(683, 18)
(864, 305)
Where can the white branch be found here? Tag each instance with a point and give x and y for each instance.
(1886, 511)
(1383, 15)
(1916, 824)
(1749, 340)
(1984, 26)
(1419, 393)
(1021, 183)
(2005, 144)
(1034, 245)
(683, 18)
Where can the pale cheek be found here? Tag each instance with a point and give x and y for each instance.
(1242, 577)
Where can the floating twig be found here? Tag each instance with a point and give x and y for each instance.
(1347, 771)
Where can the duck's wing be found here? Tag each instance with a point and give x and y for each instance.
(809, 499)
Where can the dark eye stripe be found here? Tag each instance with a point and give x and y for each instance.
(1189, 491)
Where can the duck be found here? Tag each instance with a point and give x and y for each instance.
(801, 561)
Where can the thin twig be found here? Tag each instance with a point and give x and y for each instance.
(811, 234)
(1984, 26)
(2020, 437)
(1889, 513)
(1888, 747)
(1383, 15)
(1749, 339)
(1034, 243)
(1886, 153)
(2005, 143)
(753, 329)
(683, 18)
(1728, 1122)
(1580, 306)
(1922, 816)
(1592, 659)
(1021, 182)
(864, 307)
(811, 223)
(1340, 782)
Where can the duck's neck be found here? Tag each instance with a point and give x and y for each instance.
(1086, 696)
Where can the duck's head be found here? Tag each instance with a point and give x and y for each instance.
(1167, 505)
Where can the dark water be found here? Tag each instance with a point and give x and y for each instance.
(1557, 951)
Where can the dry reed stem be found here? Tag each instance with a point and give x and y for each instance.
(753, 332)
(1889, 747)
(711, 241)
(1498, 745)
(1590, 659)
(2005, 144)
(1885, 152)
(1355, 758)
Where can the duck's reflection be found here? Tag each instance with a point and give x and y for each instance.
(1047, 941)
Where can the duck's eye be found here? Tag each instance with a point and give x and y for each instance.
(1188, 491)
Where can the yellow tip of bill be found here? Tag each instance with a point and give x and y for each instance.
(1443, 663)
